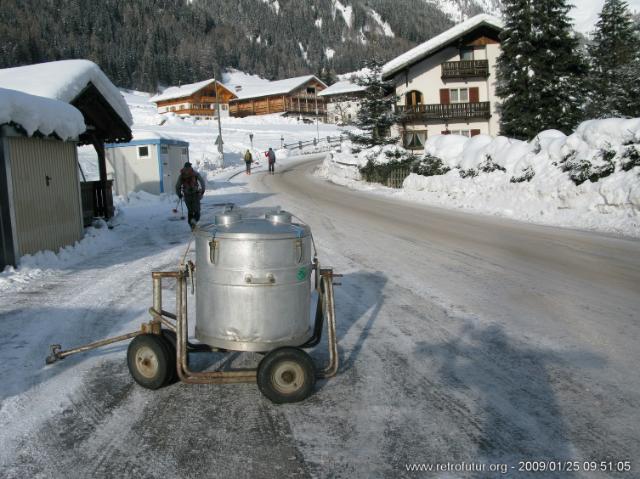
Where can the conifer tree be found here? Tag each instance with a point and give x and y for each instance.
(376, 112)
(615, 63)
(540, 69)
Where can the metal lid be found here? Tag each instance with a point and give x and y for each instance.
(227, 218)
(255, 228)
(283, 217)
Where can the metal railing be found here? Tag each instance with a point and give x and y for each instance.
(322, 144)
(446, 111)
(465, 69)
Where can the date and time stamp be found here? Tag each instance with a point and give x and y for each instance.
(574, 466)
(543, 467)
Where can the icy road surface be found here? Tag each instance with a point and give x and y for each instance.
(462, 338)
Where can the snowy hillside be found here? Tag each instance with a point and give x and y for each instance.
(459, 10)
(590, 179)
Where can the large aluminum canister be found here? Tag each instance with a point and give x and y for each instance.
(253, 281)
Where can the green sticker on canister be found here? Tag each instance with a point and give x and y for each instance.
(302, 274)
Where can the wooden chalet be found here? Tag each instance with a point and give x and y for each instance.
(194, 99)
(297, 96)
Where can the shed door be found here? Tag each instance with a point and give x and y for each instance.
(46, 192)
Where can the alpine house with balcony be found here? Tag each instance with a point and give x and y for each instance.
(447, 84)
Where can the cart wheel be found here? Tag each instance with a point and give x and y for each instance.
(148, 360)
(286, 375)
(170, 342)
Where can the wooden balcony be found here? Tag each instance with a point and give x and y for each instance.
(295, 106)
(465, 69)
(452, 111)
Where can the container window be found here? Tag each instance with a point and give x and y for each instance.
(164, 149)
(143, 152)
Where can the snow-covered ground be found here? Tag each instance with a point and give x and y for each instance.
(463, 339)
(524, 181)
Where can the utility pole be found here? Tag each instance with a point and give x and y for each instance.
(219, 140)
(317, 126)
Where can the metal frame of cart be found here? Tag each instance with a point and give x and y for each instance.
(167, 333)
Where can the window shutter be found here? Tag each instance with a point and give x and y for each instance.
(475, 132)
(444, 96)
(474, 94)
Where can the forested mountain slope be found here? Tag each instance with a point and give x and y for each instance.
(145, 43)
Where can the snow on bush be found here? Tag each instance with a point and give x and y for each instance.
(590, 179)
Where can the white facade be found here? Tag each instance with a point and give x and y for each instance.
(342, 110)
(448, 84)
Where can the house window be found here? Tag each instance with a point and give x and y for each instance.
(459, 95)
(466, 54)
(143, 152)
(413, 98)
(414, 140)
(311, 90)
(164, 150)
(223, 106)
(173, 108)
(466, 133)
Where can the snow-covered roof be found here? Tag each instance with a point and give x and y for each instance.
(64, 80)
(436, 43)
(341, 88)
(183, 91)
(278, 87)
(39, 114)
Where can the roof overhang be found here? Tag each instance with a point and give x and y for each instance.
(454, 36)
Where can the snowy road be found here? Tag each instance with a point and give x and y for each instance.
(462, 339)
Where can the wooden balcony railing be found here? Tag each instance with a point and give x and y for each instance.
(293, 106)
(465, 69)
(453, 111)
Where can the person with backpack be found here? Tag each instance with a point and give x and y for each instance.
(271, 155)
(248, 159)
(191, 186)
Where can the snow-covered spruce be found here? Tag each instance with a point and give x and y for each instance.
(590, 179)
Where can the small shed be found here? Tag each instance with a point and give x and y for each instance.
(40, 206)
(149, 163)
(84, 85)
(46, 110)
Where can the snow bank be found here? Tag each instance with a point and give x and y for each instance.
(64, 80)
(40, 114)
(590, 179)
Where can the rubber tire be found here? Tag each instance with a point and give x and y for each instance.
(170, 342)
(158, 346)
(270, 363)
